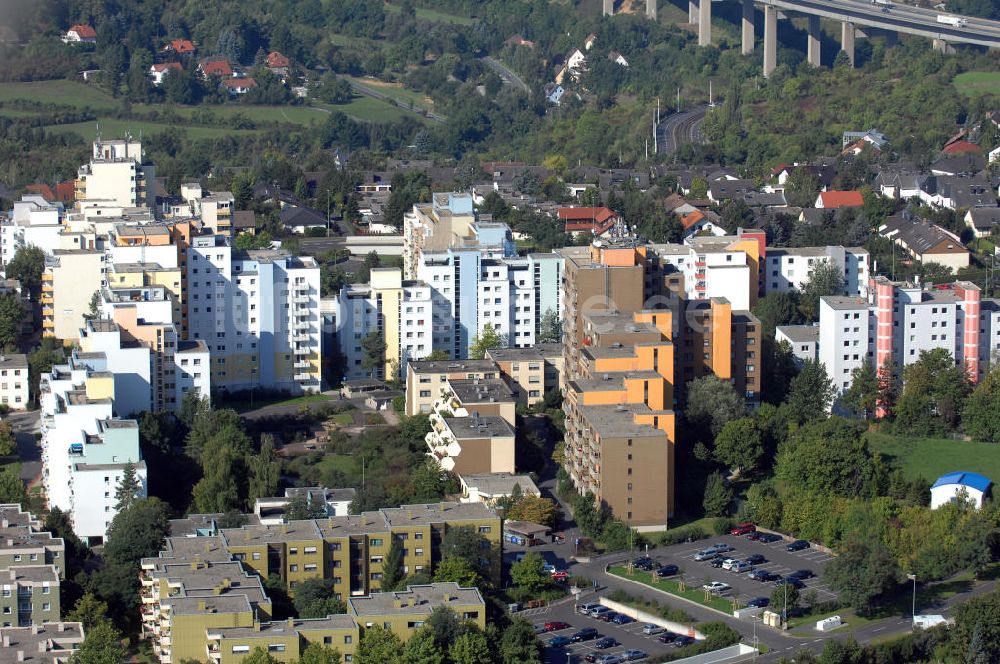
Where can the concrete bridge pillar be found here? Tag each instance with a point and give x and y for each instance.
(891, 38)
(705, 23)
(847, 40)
(747, 24)
(693, 11)
(609, 7)
(651, 9)
(941, 46)
(770, 39)
(813, 41)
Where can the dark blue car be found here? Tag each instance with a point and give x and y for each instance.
(798, 545)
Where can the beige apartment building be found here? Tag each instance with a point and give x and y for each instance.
(70, 279)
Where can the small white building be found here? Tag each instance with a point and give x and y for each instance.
(949, 488)
(14, 381)
(490, 487)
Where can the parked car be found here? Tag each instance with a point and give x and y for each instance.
(728, 563)
(560, 576)
(741, 566)
(633, 655)
(667, 637)
(667, 570)
(802, 574)
(683, 640)
(585, 634)
(608, 659)
(798, 545)
(556, 625)
(756, 559)
(538, 628)
(644, 562)
(791, 581)
(599, 611)
(722, 547)
(758, 602)
(706, 554)
(718, 561)
(768, 538)
(560, 641)
(548, 568)
(585, 609)
(743, 529)
(622, 619)
(717, 587)
(606, 616)
(649, 629)
(762, 575)
(605, 642)
(754, 536)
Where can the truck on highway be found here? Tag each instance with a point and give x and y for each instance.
(956, 21)
(884, 3)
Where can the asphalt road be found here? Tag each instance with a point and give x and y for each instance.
(508, 75)
(680, 129)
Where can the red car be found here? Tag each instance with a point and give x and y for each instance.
(560, 575)
(556, 625)
(743, 529)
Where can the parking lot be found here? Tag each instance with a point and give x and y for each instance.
(778, 561)
(629, 636)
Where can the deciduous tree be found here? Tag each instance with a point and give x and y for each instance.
(863, 574)
(740, 445)
(529, 573)
(484, 341)
(811, 393)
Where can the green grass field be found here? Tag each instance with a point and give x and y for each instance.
(975, 83)
(115, 127)
(343, 419)
(367, 109)
(403, 95)
(66, 93)
(932, 457)
(692, 592)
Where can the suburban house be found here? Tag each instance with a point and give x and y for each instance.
(701, 222)
(856, 141)
(833, 200)
(80, 34)
(926, 242)
(215, 67)
(618, 59)
(722, 190)
(239, 86)
(596, 220)
(301, 219)
(180, 47)
(900, 182)
(962, 147)
(278, 64)
(160, 69)
(957, 192)
(983, 220)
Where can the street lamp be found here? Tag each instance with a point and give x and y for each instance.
(913, 577)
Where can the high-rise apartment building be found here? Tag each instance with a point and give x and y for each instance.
(899, 320)
(258, 313)
(631, 344)
(116, 175)
(70, 279)
(85, 447)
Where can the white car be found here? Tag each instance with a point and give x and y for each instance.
(649, 629)
(717, 587)
(728, 563)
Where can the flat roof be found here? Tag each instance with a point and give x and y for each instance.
(841, 302)
(491, 390)
(800, 333)
(466, 428)
(495, 484)
(423, 514)
(446, 366)
(618, 421)
(13, 361)
(282, 627)
(416, 599)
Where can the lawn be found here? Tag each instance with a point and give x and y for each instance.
(396, 91)
(932, 457)
(242, 405)
(341, 462)
(343, 419)
(692, 592)
(975, 83)
(113, 127)
(300, 115)
(66, 93)
(367, 109)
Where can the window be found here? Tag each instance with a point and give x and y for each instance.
(485, 529)
(46, 606)
(309, 549)
(241, 648)
(376, 541)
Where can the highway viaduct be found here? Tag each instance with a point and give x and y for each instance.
(851, 14)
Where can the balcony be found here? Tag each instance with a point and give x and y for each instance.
(304, 350)
(302, 364)
(301, 324)
(300, 299)
(300, 337)
(303, 376)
